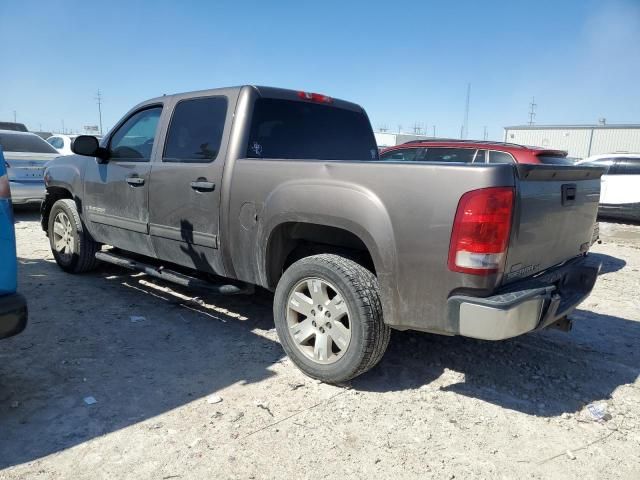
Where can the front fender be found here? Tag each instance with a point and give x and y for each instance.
(341, 205)
(67, 173)
(63, 178)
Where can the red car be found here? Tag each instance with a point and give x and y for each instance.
(472, 151)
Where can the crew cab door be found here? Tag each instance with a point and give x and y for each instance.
(184, 195)
(115, 202)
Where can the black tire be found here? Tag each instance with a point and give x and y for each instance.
(359, 289)
(82, 257)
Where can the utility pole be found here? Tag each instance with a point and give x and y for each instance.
(62, 121)
(485, 135)
(15, 116)
(532, 110)
(399, 128)
(434, 131)
(465, 129)
(99, 101)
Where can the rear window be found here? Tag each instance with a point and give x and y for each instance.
(290, 129)
(404, 155)
(455, 155)
(555, 160)
(25, 143)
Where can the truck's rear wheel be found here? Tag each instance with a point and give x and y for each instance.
(72, 246)
(328, 316)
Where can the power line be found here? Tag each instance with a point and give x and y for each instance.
(532, 110)
(99, 102)
(465, 127)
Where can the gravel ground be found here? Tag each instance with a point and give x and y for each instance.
(189, 388)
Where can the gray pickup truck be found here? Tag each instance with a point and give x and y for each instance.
(285, 190)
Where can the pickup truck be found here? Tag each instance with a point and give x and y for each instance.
(285, 190)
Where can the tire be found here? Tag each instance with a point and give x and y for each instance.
(73, 248)
(312, 336)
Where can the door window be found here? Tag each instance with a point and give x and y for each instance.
(133, 141)
(452, 155)
(404, 155)
(500, 157)
(196, 130)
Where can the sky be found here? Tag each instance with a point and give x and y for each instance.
(404, 62)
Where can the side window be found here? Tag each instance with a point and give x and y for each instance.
(453, 155)
(133, 141)
(481, 156)
(195, 132)
(404, 155)
(56, 142)
(500, 157)
(627, 166)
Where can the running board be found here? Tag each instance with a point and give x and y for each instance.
(174, 277)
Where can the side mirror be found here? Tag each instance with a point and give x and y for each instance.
(88, 145)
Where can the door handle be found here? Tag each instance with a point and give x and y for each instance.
(135, 181)
(203, 186)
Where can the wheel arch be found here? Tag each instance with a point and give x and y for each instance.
(328, 218)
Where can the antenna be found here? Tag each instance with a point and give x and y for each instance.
(465, 126)
(532, 110)
(98, 99)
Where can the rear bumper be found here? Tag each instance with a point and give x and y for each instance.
(27, 192)
(624, 211)
(529, 305)
(13, 315)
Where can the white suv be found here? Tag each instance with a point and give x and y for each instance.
(620, 191)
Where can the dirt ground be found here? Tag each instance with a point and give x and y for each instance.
(156, 362)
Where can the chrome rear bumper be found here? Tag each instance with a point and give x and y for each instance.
(530, 305)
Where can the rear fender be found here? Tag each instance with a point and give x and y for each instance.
(340, 205)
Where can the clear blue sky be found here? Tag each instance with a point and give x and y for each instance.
(405, 62)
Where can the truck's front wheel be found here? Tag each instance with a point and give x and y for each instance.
(72, 246)
(328, 316)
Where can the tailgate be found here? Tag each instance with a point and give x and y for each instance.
(554, 217)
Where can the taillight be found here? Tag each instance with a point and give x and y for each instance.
(5, 192)
(481, 229)
(315, 97)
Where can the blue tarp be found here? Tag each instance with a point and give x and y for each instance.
(8, 264)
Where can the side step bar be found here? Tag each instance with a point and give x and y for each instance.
(174, 277)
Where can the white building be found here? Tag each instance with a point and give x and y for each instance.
(386, 139)
(580, 141)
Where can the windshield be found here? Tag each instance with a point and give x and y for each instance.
(25, 143)
(302, 130)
